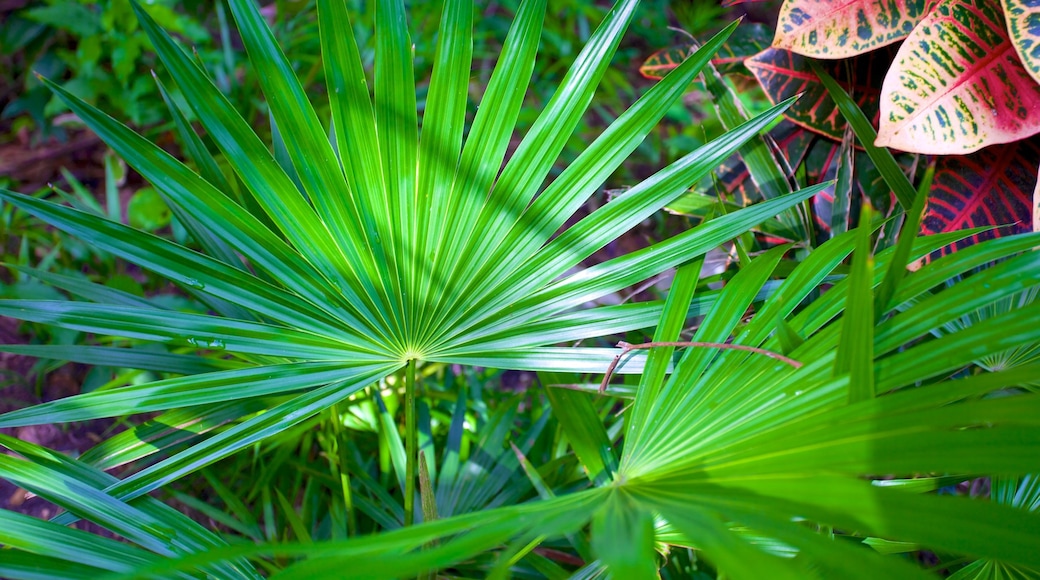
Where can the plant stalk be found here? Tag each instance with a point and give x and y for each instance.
(411, 445)
(343, 471)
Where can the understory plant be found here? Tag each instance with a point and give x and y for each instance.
(342, 262)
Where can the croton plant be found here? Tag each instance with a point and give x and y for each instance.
(955, 81)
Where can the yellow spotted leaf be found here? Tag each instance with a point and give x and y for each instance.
(957, 84)
(826, 29)
(1023, 25)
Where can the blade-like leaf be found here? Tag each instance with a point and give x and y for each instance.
(856, 346)
(204, 389)
(583, 428)
(179, 328)
(623, 538)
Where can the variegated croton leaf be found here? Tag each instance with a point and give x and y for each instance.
(827, 29)
(957, 84)
(1023, 25)
(784, 74)
(746, 40)
(992, 187)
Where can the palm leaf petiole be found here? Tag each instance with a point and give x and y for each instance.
(411, 443)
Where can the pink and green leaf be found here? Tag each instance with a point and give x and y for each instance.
(662, 62)
(957, 84)
(1023, 25)
(826, 29)
(747, 40)
(989, 188)
(784, 74)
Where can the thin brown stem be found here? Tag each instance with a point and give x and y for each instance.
(627, 347)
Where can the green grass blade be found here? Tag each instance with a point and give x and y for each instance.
(390, 438)
(856, 345)
(866, 135)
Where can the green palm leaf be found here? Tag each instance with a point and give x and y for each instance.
(359, 276)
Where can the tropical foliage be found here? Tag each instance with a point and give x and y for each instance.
(958, 83)
(963, 79)
(356, 268)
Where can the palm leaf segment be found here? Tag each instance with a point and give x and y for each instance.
(382, 244)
